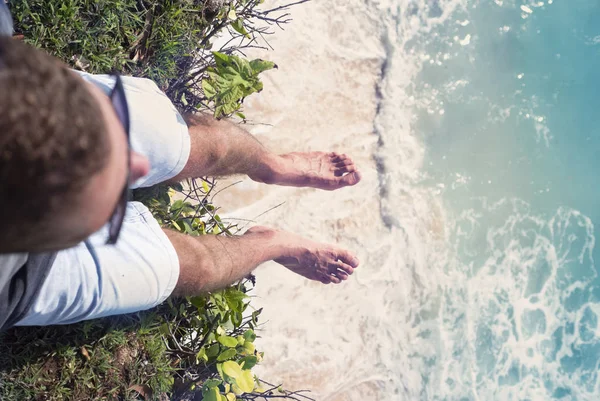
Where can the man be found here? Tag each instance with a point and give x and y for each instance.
(65, 163)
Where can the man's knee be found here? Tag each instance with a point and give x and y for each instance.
(198, 119)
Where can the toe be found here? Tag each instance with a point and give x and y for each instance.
(340, 171)
(348, 258)
(340, 267)
(335, 280)
(343, 276)
(344, 163)
(350, 179)
(336, 157)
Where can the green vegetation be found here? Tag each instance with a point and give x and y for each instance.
(231, 80)
(200, 348)
(167, 41)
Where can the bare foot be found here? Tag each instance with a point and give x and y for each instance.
(313, 169)
(313, 260)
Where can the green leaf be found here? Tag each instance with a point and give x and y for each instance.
(230, 96)
(246, 70)
(232, 369)
(215, 77)
(249, 335)
(249, 362)
(201, 355)
(221, 57)
(198, 302)
(228, 341)
(212, 395)
(245, 381)
(188, 227)
(249, 348)
(177, 186)
(178, 204)
(255, 315)
(209, 90)
(227, 354)
(259, 65)
(230, 397)
(232, 14)
(239, 27)
(188, 208)
(164, 329)
(234, 294)
(230, 108)
(236, 390)
(237, 318)
(212, 383)
(212, 351)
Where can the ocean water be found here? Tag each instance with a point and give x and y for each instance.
(476, 126)
(505, 108)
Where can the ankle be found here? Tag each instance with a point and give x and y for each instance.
(274, 243)
(268, 169)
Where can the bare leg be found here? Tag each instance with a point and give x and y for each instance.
(220, 148)
(211, 262)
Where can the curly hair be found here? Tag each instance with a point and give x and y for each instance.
(52, 140)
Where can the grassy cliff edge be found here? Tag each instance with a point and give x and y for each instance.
(199, 348)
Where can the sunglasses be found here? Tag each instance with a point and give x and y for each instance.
(119, 103)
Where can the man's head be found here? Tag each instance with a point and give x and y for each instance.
(63, 153)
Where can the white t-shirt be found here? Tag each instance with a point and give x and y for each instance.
(11, 261)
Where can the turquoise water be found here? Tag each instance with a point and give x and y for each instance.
(507, 107)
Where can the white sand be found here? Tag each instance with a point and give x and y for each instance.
(323, 97)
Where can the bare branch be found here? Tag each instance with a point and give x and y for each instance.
(285, 6)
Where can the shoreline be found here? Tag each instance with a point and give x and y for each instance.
(321, 62)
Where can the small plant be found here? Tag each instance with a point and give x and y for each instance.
(231, 80)
(189, 211)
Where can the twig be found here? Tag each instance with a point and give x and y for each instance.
(284, 7)
(223, 189)
(263, 213)
(210, 329)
